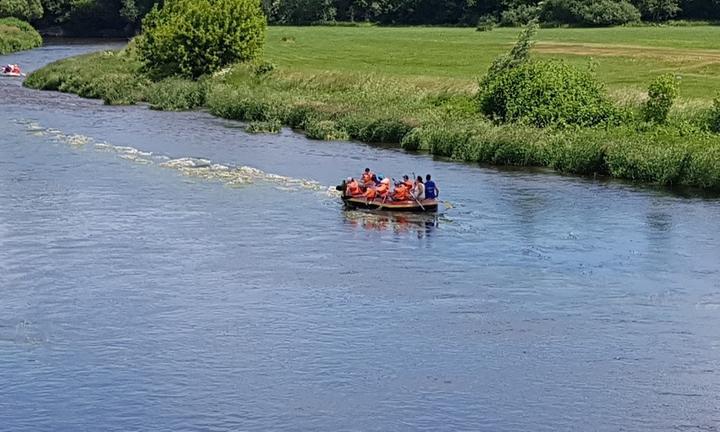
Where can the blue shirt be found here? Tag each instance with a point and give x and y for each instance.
(430, 190)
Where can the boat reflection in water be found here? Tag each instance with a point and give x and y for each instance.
(423, 224)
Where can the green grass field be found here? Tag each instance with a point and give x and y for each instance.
(627, 58)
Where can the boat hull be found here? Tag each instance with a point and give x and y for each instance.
(412, 206)
(12, 75)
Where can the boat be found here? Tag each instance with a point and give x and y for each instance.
(12, 74)
(411, 205)
(414, 206)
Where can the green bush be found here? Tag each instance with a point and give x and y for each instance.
(17, 35)
(519, 15)
(176, 94)
(607, 13)
(389, 131)
(272, 126)
(326, 130)
(661, 95)
(589, 12)
(703, 168)
(22, 9)
(578, 151)
(190, 38)
(243, 104)
(714, 118)
(658, 156)
(486, 23)
(544, 93)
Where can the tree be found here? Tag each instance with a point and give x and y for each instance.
(23, 9)
(190, 38)
(658, 10)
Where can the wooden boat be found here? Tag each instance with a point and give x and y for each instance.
(422, 206)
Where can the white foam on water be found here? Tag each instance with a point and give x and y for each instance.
(200, 168)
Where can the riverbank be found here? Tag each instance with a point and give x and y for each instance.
(17, 35)
(385, 91)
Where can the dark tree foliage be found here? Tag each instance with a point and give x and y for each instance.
(93, 17)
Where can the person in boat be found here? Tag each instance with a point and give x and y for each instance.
(418, 190)
(431, 189)
(367, 177)
(352, 188)
(401, 192)
(383, 188)
(15, 69)
(7, 69)
(408, 183)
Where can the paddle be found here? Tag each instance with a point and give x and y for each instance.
(415, 198)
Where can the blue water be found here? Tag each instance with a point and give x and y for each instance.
(166, 272)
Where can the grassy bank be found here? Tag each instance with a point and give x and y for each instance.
(17, 35)
(414, 87)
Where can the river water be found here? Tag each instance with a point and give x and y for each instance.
(166, 272)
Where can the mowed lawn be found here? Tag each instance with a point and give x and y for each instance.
(626, 59)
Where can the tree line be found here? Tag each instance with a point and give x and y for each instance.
(93, 17)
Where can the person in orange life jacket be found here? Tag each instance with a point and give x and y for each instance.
(431, 189)
(367, 177)
(352, 187)
(384, 187)
(401, 192)
(408, 183)
(15, 69)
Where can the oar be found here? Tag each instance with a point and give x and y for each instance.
(415, 198)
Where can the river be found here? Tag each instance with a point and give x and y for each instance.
(167, 272)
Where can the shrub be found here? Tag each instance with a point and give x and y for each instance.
(242, 104)
(384, 131)
(263, 68)
(544, 93)
(607, 13)
(176, 94)
(486, 23)
(272, 126)
(297, 116)
(589, 12)
(658, 10)
(190, 38)
(17, 35)
(519, 15)
(662, 94)
(714, 118)
(326, 130)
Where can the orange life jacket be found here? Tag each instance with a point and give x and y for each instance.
(401, 193)
(370, 193)
(367, 177)
(382, 190)
(408, 184)
(353, 188)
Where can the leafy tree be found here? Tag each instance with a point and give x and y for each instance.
(658, 10)
(302, 11)
(190, 38)
(23, 9)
